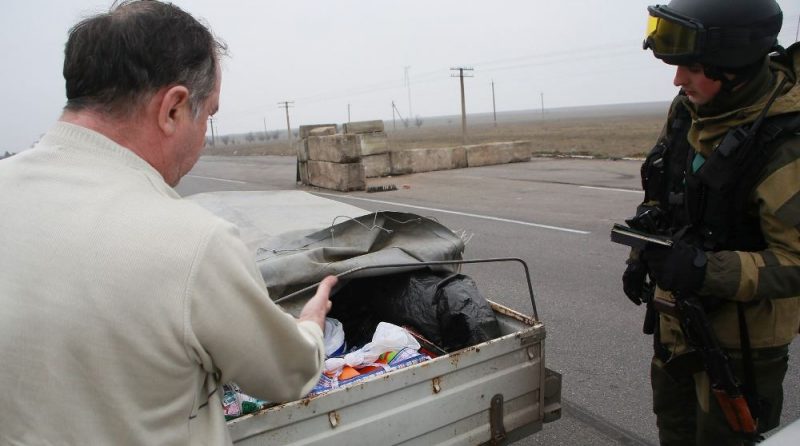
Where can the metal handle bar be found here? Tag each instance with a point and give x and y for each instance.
(429, 263)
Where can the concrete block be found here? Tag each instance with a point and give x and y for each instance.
(363, 127)
(302, 150)
(304, 172)
(322, 131)
(401, 162)
(337, 176)
(426, 160)
(305, 130)
(372, 143)
(498, 153)
(333, 148)
(379, 165)
(458, 157)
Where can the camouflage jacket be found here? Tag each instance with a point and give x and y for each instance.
(768, 281)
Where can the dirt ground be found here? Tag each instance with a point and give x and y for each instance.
(604, 132)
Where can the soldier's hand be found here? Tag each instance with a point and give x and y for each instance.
(633, 280)
(680, 268)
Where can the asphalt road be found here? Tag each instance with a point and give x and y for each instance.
(555, 214)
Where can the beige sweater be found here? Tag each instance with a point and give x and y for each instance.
(123, 307)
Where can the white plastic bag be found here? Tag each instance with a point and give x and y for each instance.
(334, 338)
(387, 337)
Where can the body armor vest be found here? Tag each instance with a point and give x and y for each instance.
(711, 207)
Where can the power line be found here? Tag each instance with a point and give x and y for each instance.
(550, 58)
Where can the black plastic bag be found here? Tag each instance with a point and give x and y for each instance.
(448, 310)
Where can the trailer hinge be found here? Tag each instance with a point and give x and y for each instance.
(531, 338)
(498, 430)
(333, 418)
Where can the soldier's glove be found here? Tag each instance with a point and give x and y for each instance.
(633, 280)
(681, 268)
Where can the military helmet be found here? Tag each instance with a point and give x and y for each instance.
(717, 33)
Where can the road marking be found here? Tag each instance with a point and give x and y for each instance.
(463, 214)
(612, 189)
(218, 179)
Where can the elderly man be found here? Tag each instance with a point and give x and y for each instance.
(123, 307)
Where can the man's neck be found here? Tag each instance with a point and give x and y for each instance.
(133, 133)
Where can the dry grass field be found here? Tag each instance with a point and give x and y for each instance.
(603, 131)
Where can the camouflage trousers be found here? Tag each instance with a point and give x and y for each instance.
(688, 414)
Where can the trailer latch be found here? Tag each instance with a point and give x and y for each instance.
(498, 431)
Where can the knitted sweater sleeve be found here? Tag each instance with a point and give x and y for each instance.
(233, 329)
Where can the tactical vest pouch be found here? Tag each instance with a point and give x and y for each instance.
(653, 173)
(722, 169)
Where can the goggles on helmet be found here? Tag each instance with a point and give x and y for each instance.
(672, 37)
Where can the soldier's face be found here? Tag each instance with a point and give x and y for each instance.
(693, 81)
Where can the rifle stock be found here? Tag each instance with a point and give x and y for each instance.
(726, 388)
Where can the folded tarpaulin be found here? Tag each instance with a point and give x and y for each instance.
(289, 263)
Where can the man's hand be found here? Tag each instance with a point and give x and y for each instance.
(680, 268)
(318, 306)
(633, 280)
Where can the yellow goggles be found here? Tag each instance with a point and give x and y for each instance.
(671, 36)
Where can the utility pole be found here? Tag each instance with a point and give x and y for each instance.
(461, 76)
(541, 95)
(348, 113)
(797, 31)
(494, 107)
(213, 138)
(394, 109)
(266, 137)
(394, 124)
(285, 105)
(408, 86)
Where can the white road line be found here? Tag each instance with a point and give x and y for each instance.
(465, 214)
(218, 179)
(612, 189)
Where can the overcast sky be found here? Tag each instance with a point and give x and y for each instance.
(324, 55)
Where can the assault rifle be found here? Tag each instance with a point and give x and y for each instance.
(699, 334)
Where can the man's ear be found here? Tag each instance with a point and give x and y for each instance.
(173, 108)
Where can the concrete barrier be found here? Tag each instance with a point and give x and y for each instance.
(363, 127)
(302, 150)
(337, 176)
(343, 161)
(305, 130)
(322, 131)
(303, 167)
(372, 143)
(379, 165)
(426, 160)
(498, 153)
(339, 148)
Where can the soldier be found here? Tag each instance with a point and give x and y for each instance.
(723, 181)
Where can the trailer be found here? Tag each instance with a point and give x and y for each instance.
(494, 392)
